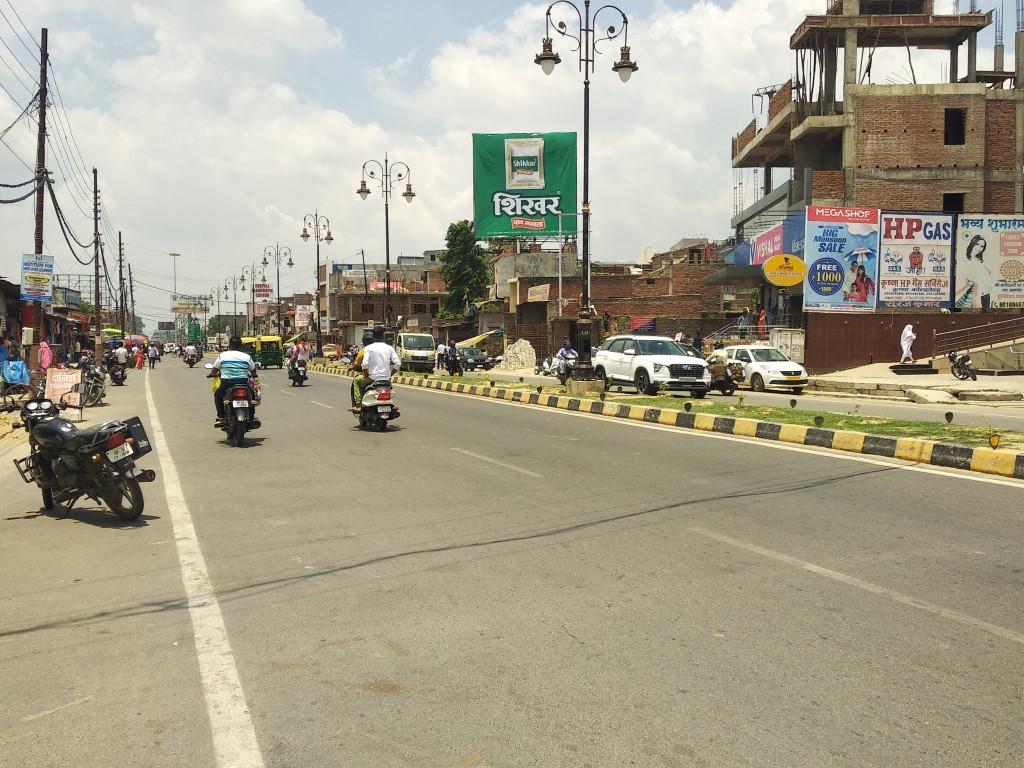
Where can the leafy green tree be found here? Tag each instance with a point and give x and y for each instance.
(465, 268)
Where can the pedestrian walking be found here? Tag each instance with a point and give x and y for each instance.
(907, 342)
(152, 353)
(439, 356)
(743, 323)
(139, 356)
(45, 356)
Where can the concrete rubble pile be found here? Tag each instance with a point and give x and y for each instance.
(517, 356)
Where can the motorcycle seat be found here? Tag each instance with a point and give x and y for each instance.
(88, 436)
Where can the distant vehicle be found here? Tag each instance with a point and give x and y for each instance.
(170, 348)
(767, 367)
(331, 351)
(474, 358)
(651, 363)
(416, 351)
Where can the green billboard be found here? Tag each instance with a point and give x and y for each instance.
(523, 183)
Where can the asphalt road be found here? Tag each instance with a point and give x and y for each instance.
(498, 585)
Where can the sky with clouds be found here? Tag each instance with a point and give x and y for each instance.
(217, 124)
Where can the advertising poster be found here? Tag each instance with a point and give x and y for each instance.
(36, 277)
(523, 183)
(766, 245)
(989, 262)
(61, 383)
(841, 253)
(915, 265)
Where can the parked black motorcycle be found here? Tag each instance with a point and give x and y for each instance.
(94, 386)
(961, 367)
(453, 362)
(68, 463)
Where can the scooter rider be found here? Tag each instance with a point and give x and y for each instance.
(378, 363)
(190, 351)
(234, 368)
(565, 353)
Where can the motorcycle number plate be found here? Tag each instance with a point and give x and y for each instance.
(122, 451)
(239, 403)
(383, 409)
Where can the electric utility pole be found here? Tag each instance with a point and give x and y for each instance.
(120, 286)
(131, 291)
(97, 308)
(178, 336)
(37, 306)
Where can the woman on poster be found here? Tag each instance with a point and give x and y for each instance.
(906, 342)
(862, 289)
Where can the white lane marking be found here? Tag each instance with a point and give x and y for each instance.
(867, 586)
(322, 405)
(45, 712)
(489, 460)
(234, 737)
(286, 392)
(751, 441)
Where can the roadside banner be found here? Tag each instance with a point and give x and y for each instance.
(641, 325)
(61, 382)
(766, 245)
(841, 252)
(539, 292)
(915, 267)
(523, 183)
(784, 270)
(989, 262)
(37, 277)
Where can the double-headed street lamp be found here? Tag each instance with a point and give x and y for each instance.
(250, 273)
(587, 42)
(276, 252)
(386, 174)
(321, 227)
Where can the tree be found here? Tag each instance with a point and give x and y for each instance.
(465, 267)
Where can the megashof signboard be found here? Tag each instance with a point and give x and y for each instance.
(841, 253)
(524, 184)
(915, 268)
(989, 262)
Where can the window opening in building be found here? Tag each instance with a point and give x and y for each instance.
(956, 126)
(368, 308)
(419, 309)
(953, 202)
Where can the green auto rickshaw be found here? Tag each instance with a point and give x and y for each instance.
(269, 352)
(249, 347)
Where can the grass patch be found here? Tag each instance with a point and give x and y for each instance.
(875, 425)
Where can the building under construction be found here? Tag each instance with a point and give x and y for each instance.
(842, 139)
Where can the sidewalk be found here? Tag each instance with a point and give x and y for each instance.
(878, 380)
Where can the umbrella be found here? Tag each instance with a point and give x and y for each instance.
(113, 331)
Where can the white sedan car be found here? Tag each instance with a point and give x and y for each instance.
(768, 367)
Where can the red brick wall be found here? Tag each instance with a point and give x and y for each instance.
(828, 185)
(1000, 197)
(907, 132)
(1000, 135)
(779, 101)
(743, 138)
(925, 195)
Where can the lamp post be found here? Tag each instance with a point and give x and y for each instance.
(321, 227)
(235, 282)
(250, 273)
(389, 174)
(587, 42)
(276, 252)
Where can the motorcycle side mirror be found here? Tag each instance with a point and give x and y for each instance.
(209, 366)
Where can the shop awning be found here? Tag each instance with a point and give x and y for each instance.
(734, 274)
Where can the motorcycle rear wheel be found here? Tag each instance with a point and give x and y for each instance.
(959, 373)
(973, 373)
(237, 437)
(48, 499)
(126, 500)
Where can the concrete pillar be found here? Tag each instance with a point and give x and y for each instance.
(831, 57)
(972, 58)
(1018, 59)
(954, 63)
(850, 60)
(998, 58)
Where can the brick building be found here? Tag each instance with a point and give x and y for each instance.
(844, 140)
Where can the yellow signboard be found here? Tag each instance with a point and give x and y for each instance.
(784, 270)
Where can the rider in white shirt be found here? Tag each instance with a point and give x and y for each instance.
(379, 361)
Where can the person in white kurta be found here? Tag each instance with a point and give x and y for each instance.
(906, 342)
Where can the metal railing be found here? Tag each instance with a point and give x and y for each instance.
(986, 335)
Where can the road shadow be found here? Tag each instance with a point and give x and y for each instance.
(250, 442)
(97, 517)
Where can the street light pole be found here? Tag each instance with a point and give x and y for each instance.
(276, 252)
(321, 226)
(586, 41)
(250, 273)
(234, 282)
(389, 174)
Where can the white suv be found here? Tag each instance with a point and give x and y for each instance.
(650, 363)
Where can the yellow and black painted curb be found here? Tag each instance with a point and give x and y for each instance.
(987, 460)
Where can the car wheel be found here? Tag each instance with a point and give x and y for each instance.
(757, 382)
(599, 372)
(699, 395)
(643, 383)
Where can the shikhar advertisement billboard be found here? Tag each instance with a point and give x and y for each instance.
(915, 267)
(989, 262)
(841, 253)
(523, 183)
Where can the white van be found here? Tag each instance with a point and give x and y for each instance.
(416, 351)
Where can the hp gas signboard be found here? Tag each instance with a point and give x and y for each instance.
(523, 183)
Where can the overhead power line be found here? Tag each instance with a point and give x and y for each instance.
(32, 51)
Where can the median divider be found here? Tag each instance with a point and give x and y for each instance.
(987, 460)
